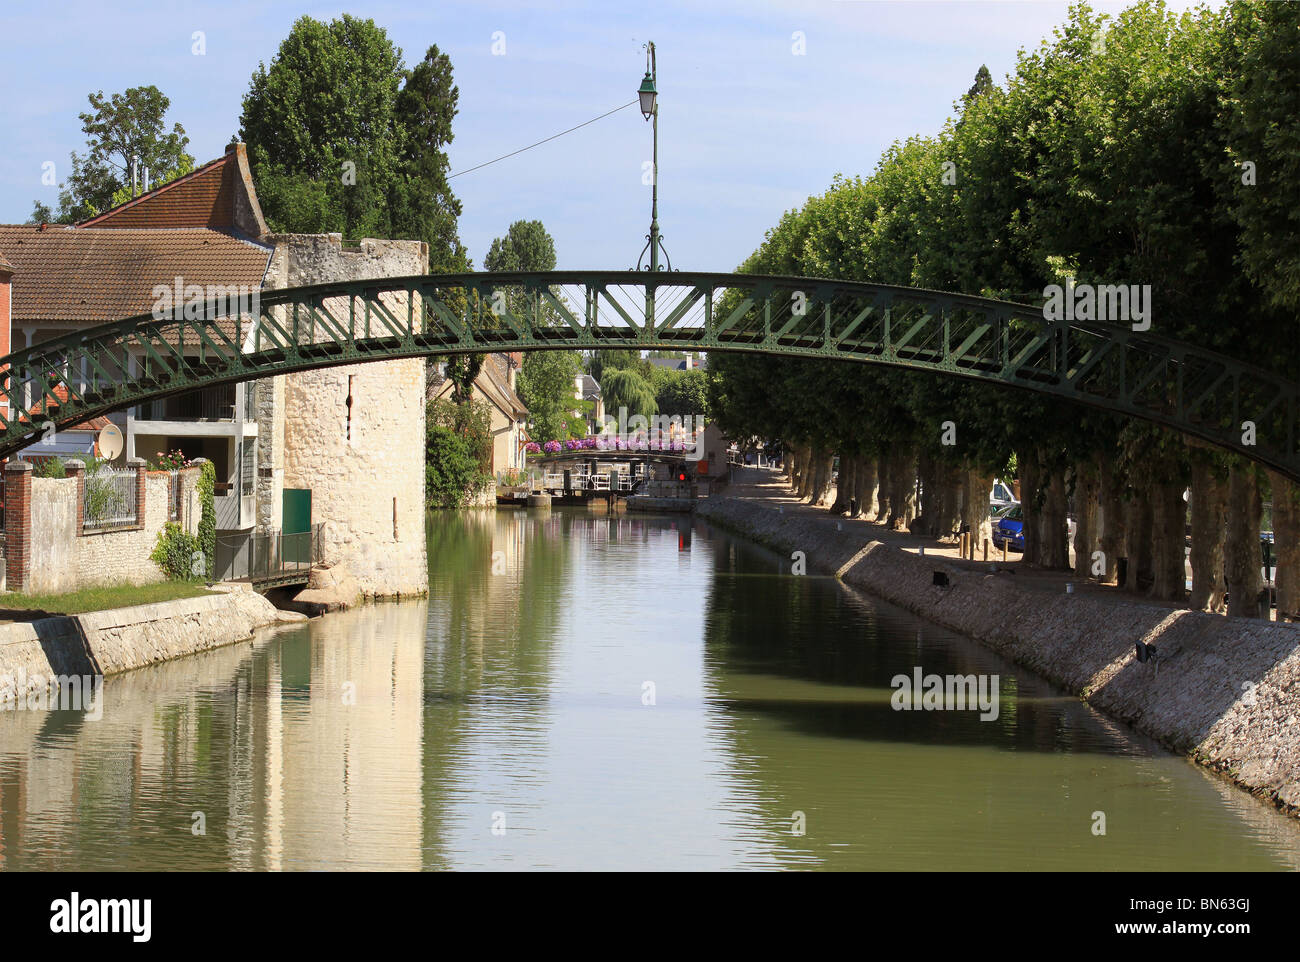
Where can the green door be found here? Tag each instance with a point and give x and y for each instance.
(296, 525)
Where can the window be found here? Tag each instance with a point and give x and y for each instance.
(247, 454)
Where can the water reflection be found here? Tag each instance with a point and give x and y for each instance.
(593, 690)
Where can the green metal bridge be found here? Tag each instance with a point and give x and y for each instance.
(1158, 379)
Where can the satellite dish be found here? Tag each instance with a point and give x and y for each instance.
(110, 442)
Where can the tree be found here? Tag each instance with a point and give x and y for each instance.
(627, 389)
(982, 85)
(1261, 101)
(342, 138)
(119, 129)
(458, 452)
(600, 362)
(683, 394)
(322, 131)
(421, 200)
(526, 247)
(547, 387)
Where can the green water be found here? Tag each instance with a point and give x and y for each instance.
(507, 723)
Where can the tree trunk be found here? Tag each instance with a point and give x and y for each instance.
(975, 509)
(884, 488)
(947, 521)
(1085, 516)
(865, 485)
(1169, 539)
(928, 509)
(1055, 526)
(805, 480)
(814, 476)
(1029, 480)
(844, 486)
(1286, 546)
(1138, 539)
(822, 487)
(902, 481)
(1241, 555)
(1111, 509)
(794, 464)
(1209, 501)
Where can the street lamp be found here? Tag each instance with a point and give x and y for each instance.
(648, 94)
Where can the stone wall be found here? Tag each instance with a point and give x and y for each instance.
(1225, 691)
(363, 461)
(111, 557)
(109, 642)
(63, 557)
(54, 536)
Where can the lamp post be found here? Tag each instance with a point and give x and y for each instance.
(648, 94)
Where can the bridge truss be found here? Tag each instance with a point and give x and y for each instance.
(1141, 374)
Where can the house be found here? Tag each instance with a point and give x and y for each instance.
(204, 229)
(587, 388)
(689, 362)
(496, 385)
(6, 291)
(333, 450)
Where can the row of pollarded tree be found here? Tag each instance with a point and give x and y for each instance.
(1124, 508)
(1083, 166)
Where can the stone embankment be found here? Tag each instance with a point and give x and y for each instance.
(1225, 691)
(110, 642)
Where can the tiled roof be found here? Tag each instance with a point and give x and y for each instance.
(5, 266)
(219, 195)
(492, 383)
(93, 275)
(496, 367)
(61, 395)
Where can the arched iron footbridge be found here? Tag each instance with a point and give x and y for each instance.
(1142, 374)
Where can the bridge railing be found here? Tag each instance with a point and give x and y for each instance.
(267, 556)
(1113, 365)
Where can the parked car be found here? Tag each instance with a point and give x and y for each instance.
(1000, 497)
(1008, 528)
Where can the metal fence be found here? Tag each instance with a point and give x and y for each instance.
(174, 489)
(267, 556)
(109, 500)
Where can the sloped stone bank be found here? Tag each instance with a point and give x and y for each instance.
(1225, 691)
(109, 642)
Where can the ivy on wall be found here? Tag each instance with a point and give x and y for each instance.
(208, 516)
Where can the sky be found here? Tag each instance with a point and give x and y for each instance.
(761, 102)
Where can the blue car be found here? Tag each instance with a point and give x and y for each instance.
(1009, 528)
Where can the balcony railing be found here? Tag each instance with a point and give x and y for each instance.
(209, 404)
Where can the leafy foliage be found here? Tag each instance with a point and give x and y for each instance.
(625, 388)
(118, 129)
(206, 488)
(547, 386)
(458, 452)
(683, 393)
(174, 552)
(1112, 155)
(342, 138)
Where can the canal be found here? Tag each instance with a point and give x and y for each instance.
(605, 692)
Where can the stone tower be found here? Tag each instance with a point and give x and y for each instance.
(354, 435)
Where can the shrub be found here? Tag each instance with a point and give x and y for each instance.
(175, 552)
(458, 452)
